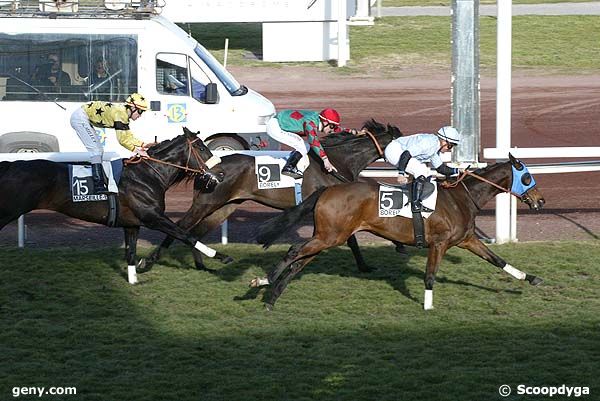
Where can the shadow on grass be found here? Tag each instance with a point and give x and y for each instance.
(73, 322)
(391, 267)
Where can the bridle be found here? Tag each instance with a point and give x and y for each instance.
(466, 173)
(192, 152)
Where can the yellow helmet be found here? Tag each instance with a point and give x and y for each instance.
(138, 101)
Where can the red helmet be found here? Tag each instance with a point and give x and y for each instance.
(330, 116)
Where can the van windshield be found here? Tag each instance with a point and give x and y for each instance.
(224, 76)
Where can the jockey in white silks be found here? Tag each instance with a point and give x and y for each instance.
(410, 153)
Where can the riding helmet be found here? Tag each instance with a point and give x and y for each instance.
(138, 101)
(449, 134)
(330, 116)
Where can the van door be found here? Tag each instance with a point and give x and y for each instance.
(169, 109)
(181, 101)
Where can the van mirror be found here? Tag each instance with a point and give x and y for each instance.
(212, 94)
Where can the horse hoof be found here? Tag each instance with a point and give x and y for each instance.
(269, 307)
(141, 266)
(536, 281)
(227, 260)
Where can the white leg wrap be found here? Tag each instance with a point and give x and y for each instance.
(516, 273)
(205, 250)
(132, 274)
(213, 161)
(262, 281)
(428, 303)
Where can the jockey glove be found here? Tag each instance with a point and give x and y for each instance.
(447, 171)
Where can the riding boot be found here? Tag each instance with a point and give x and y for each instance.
(290, 168)
(99, 179)
(416, 207)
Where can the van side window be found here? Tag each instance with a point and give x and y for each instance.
(199, 81)
(64, 67)
(172, 74)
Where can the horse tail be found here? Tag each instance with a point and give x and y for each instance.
(273, 228)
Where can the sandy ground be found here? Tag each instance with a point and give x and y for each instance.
(548, 110)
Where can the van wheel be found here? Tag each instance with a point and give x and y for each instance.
(225, 143)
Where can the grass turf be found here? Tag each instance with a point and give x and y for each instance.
(70, 319)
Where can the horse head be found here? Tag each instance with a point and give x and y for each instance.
(353, 152)
(523, 185)
(189, 154)
(383, 134)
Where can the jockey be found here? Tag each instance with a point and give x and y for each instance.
(108, 115)
(287, 126)
(409, 153)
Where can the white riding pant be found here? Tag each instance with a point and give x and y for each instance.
(290, 139)
(414, 167)
(81, 124)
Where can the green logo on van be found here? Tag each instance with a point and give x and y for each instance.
(177, 113)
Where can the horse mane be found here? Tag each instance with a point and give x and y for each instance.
(165, 145)
(348, 139)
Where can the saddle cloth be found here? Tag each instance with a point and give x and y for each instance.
(82, 187)
(268, 173)
(395, 201)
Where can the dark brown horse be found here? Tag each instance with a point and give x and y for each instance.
(349, 153)
(43, 184)
(343, 210)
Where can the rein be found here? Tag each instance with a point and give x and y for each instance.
(138, 159)
(375, 142)
(465, 173)
(480, 178)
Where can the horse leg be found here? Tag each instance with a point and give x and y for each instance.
(131, 236)
(156, 254)
(280, 284)
(478, 248)
(158, 221)
(198, 228)
(274, 274)
(304, 254)
(209, 223)
(360, 262)
(400, 248)
(436, 251)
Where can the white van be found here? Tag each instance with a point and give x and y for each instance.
(53, 62)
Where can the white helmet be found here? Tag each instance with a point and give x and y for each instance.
(449, 134)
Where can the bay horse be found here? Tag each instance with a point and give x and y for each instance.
(345, 209)
(43, 184)
(349, 153)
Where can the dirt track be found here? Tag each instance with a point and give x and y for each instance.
(548, 110)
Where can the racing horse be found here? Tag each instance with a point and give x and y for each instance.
(349, 153)
(43, 184)
(345, 209)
